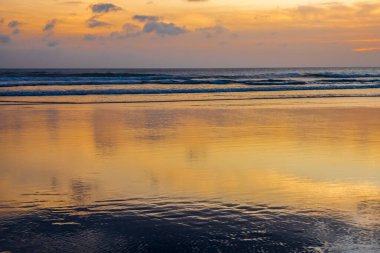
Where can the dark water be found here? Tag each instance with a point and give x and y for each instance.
(231, 170)
(126, 85)
(156, 225)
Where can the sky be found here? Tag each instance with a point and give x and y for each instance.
(188, 33)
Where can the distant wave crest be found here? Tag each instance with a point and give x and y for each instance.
(72, 82)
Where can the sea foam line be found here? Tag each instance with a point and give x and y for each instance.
(177, 91)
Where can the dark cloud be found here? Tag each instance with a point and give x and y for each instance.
(104, 8)
(53, 43)
(94, 23)
(151, 25)
(1, 21)
(49, 27)
(14, 24)
(163, 29)
(144, 18)
(4, 39)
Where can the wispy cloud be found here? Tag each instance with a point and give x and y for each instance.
(213, 30)
(93, 37)
(14, 24)
(163, 29)
(366, 49)
(154, 25)
(93, 22)
(73, 2)
(16, 31)
(370, 40)
(50, 26)
(104, 8)
(145, 18)
(129, 30)
(53, 43)
(90, 37)
(333, 13)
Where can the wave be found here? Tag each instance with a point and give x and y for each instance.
(347, 80)
(251, 77)
(20, 102)
(342, 75)
(147, 81)
(55, 82)
(193, 73)
(65, 74)
(177, 91)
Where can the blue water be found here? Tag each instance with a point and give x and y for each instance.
(304, 82)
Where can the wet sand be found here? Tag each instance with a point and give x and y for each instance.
(244, 176)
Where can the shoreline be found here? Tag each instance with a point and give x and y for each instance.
(333, 102)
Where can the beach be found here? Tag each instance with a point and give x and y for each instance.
(189, 126)
(217, 176)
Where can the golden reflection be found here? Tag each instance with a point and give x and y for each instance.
(316, 158)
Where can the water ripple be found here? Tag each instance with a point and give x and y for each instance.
(181, 226)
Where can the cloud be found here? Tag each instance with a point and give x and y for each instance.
(309, 10)
(104, 8)
(144, 18)
(1, 21)
(16, 31)
(366, 49)
(370, 40)
(163, 29)
(334, 12)
(53, 43)
(366, 9)
(73, 2)
(14, 24)
(92, 37)
(4, 39)
(129, 30)
(49, 27)
(94, 23)
(151, 25)
(213, 31)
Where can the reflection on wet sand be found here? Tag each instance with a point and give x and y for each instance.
(163, 163)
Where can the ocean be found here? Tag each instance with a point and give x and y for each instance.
(190, 160)
(131, 85)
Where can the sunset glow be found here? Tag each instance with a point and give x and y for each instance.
(367, 49)
(167, 33)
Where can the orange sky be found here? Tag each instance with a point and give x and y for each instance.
(185, 33)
